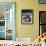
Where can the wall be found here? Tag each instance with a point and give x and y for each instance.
(28, 31)
(32, 30)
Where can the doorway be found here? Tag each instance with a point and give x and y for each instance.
(42, 22)
(7, 21)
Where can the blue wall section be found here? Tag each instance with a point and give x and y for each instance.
(2, 34)
(2, 28)
(42, 1)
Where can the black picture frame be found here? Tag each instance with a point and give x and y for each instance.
(26, 16)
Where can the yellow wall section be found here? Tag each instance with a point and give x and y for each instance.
(27, 31)
(22, 30)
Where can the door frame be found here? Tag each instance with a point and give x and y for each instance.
(39, 21)
(14, 22)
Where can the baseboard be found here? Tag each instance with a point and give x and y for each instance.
(24, 39)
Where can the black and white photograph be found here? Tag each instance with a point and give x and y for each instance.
(27, 16)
